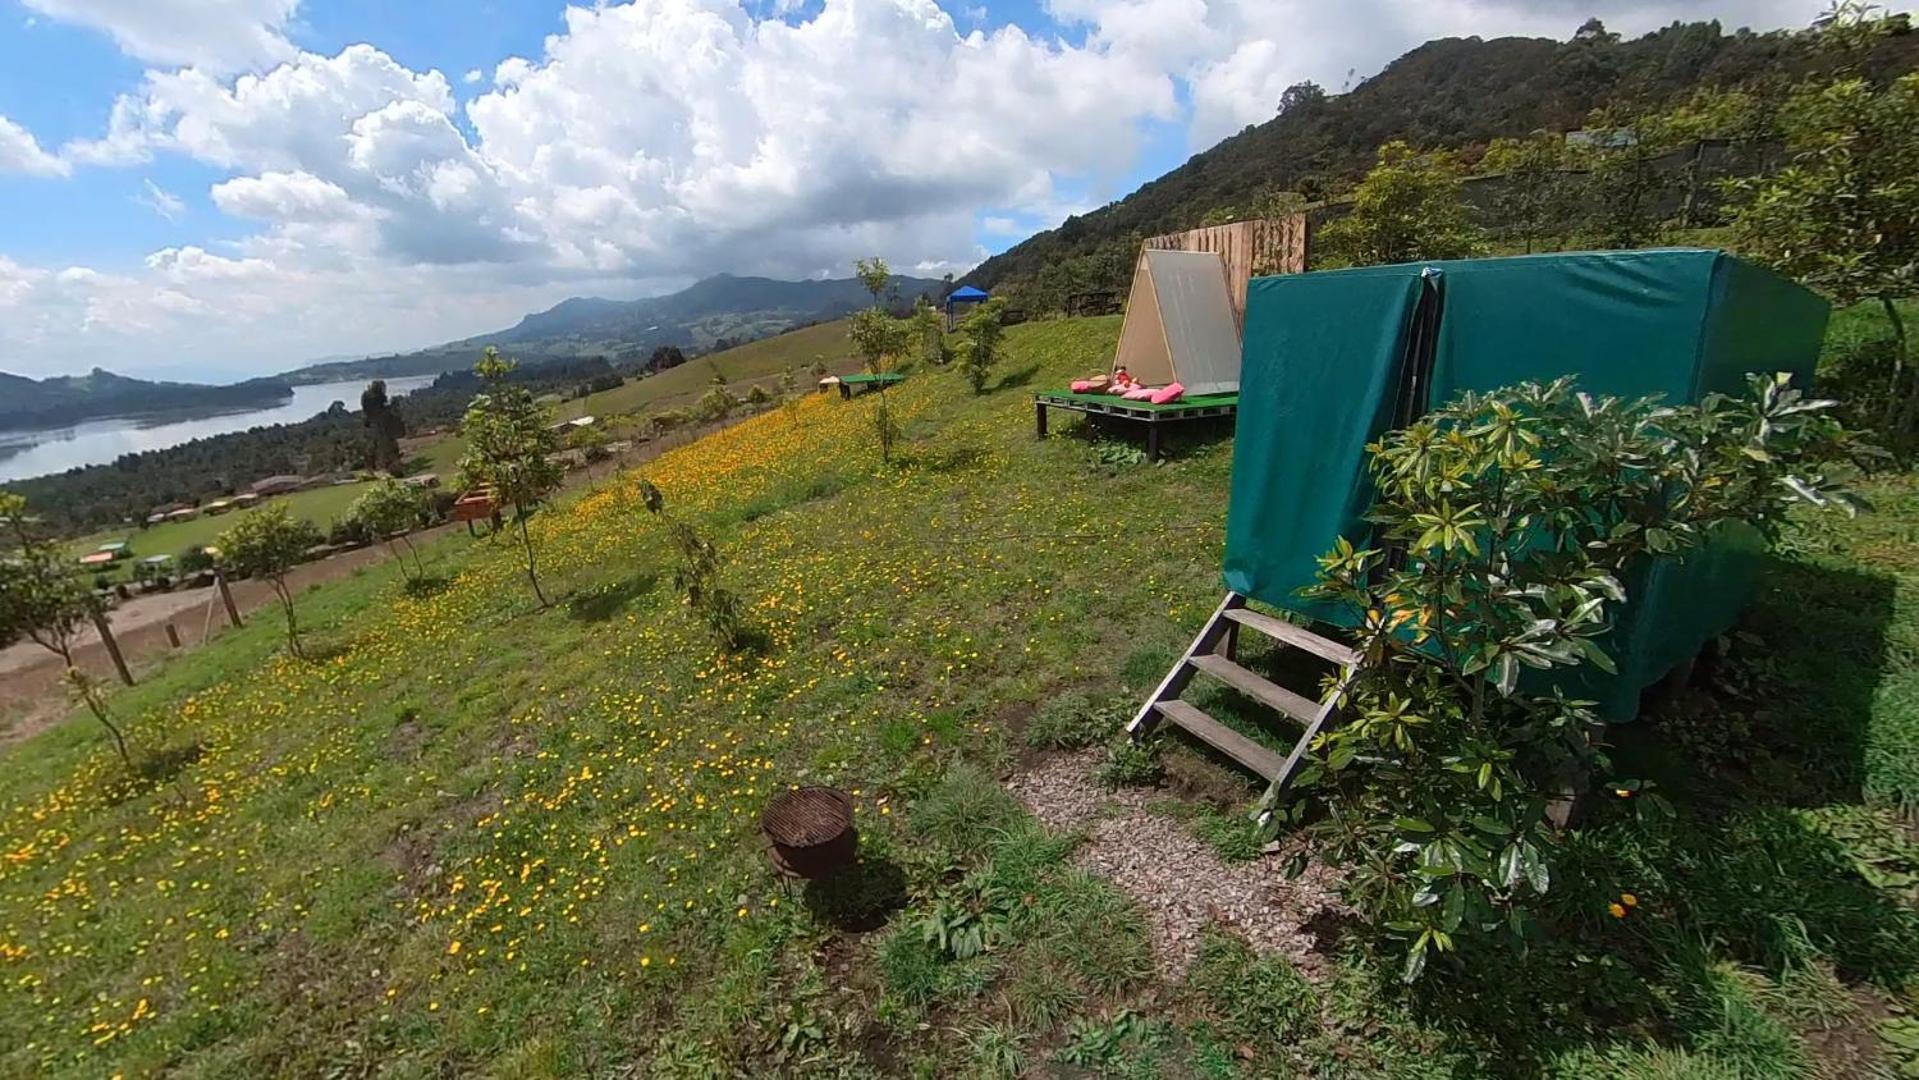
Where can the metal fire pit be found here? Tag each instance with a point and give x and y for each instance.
(811, 830)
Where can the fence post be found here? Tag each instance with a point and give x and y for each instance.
(113, 647)
(226, 595)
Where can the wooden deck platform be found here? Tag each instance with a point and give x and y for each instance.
(1153, 416)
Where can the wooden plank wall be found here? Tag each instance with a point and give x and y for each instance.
(1248, 248)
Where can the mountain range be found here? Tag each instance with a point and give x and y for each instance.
(716, 312)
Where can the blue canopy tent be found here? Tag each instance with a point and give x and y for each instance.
(961, 298)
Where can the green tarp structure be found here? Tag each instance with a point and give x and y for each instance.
(1333, 359)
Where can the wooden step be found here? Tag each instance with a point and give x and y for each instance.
(1222, 738)
(1258, 687)
(1296, 636)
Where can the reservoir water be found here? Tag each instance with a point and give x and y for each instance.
(27, 453)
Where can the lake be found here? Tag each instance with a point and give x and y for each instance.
(97, 442)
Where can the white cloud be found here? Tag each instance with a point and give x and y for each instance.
(655, 141)
(159, 200)
(20, 152)
(219, 35)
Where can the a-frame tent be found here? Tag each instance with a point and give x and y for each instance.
(1179, 324)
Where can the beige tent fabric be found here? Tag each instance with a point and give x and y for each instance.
(1142, 339)
(1180, 325)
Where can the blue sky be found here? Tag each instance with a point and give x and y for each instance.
(212, 188)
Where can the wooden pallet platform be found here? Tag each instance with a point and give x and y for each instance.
(1195, 408)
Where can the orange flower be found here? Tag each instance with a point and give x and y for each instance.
(1628, 899)
(1617, 911)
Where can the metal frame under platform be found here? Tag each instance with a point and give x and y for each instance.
(1153, 416)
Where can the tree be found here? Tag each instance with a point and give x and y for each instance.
(1624, 186)
(1594, 32)
(1515, 521)
(1531, 202)
(978, 349)
(43, 601)
(1408, 208)
(1300, 97)
(383, 424)
(874, 274)
(665, 357)
(268, 543)
(510, 441)
(1843, 217)
(879, 338)
(931, 335)
(389, 510)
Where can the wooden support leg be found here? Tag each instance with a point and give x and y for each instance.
(846, 392)
(1039, 418)
(1152, 441)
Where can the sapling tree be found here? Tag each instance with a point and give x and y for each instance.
(1843, 216)
(1532, 197)
(510, 443)
(879, 339)
(1410, 206)
(1507, 528)
(978, 349)
(268, 543)
(698, 573)
(43, 601)
(929, 332)
(390, 510)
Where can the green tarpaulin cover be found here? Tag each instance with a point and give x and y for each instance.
(1327, 356)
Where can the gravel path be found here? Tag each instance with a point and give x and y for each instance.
(1180, 883)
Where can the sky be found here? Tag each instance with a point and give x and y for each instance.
(213, 189)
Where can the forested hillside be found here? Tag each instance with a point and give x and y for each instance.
(66, 399)
(1453, 93)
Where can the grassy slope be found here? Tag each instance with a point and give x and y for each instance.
(756, 361)
(478, 837)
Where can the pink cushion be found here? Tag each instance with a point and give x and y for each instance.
(1141, 394)
(1080, 386)
(1168, 393)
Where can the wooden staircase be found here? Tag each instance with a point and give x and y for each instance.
(1213, 654)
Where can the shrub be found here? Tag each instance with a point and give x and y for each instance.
(697, 576)
(1073, 721)
(1131, 764)
(1514, 518)
(964, 809)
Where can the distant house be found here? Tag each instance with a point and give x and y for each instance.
(423, 480)
(97, 558)
(185, 513)
(156, 517)
(114, 549)
(576, 422)
(217, 506)
(277, 485)
(245, 499)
